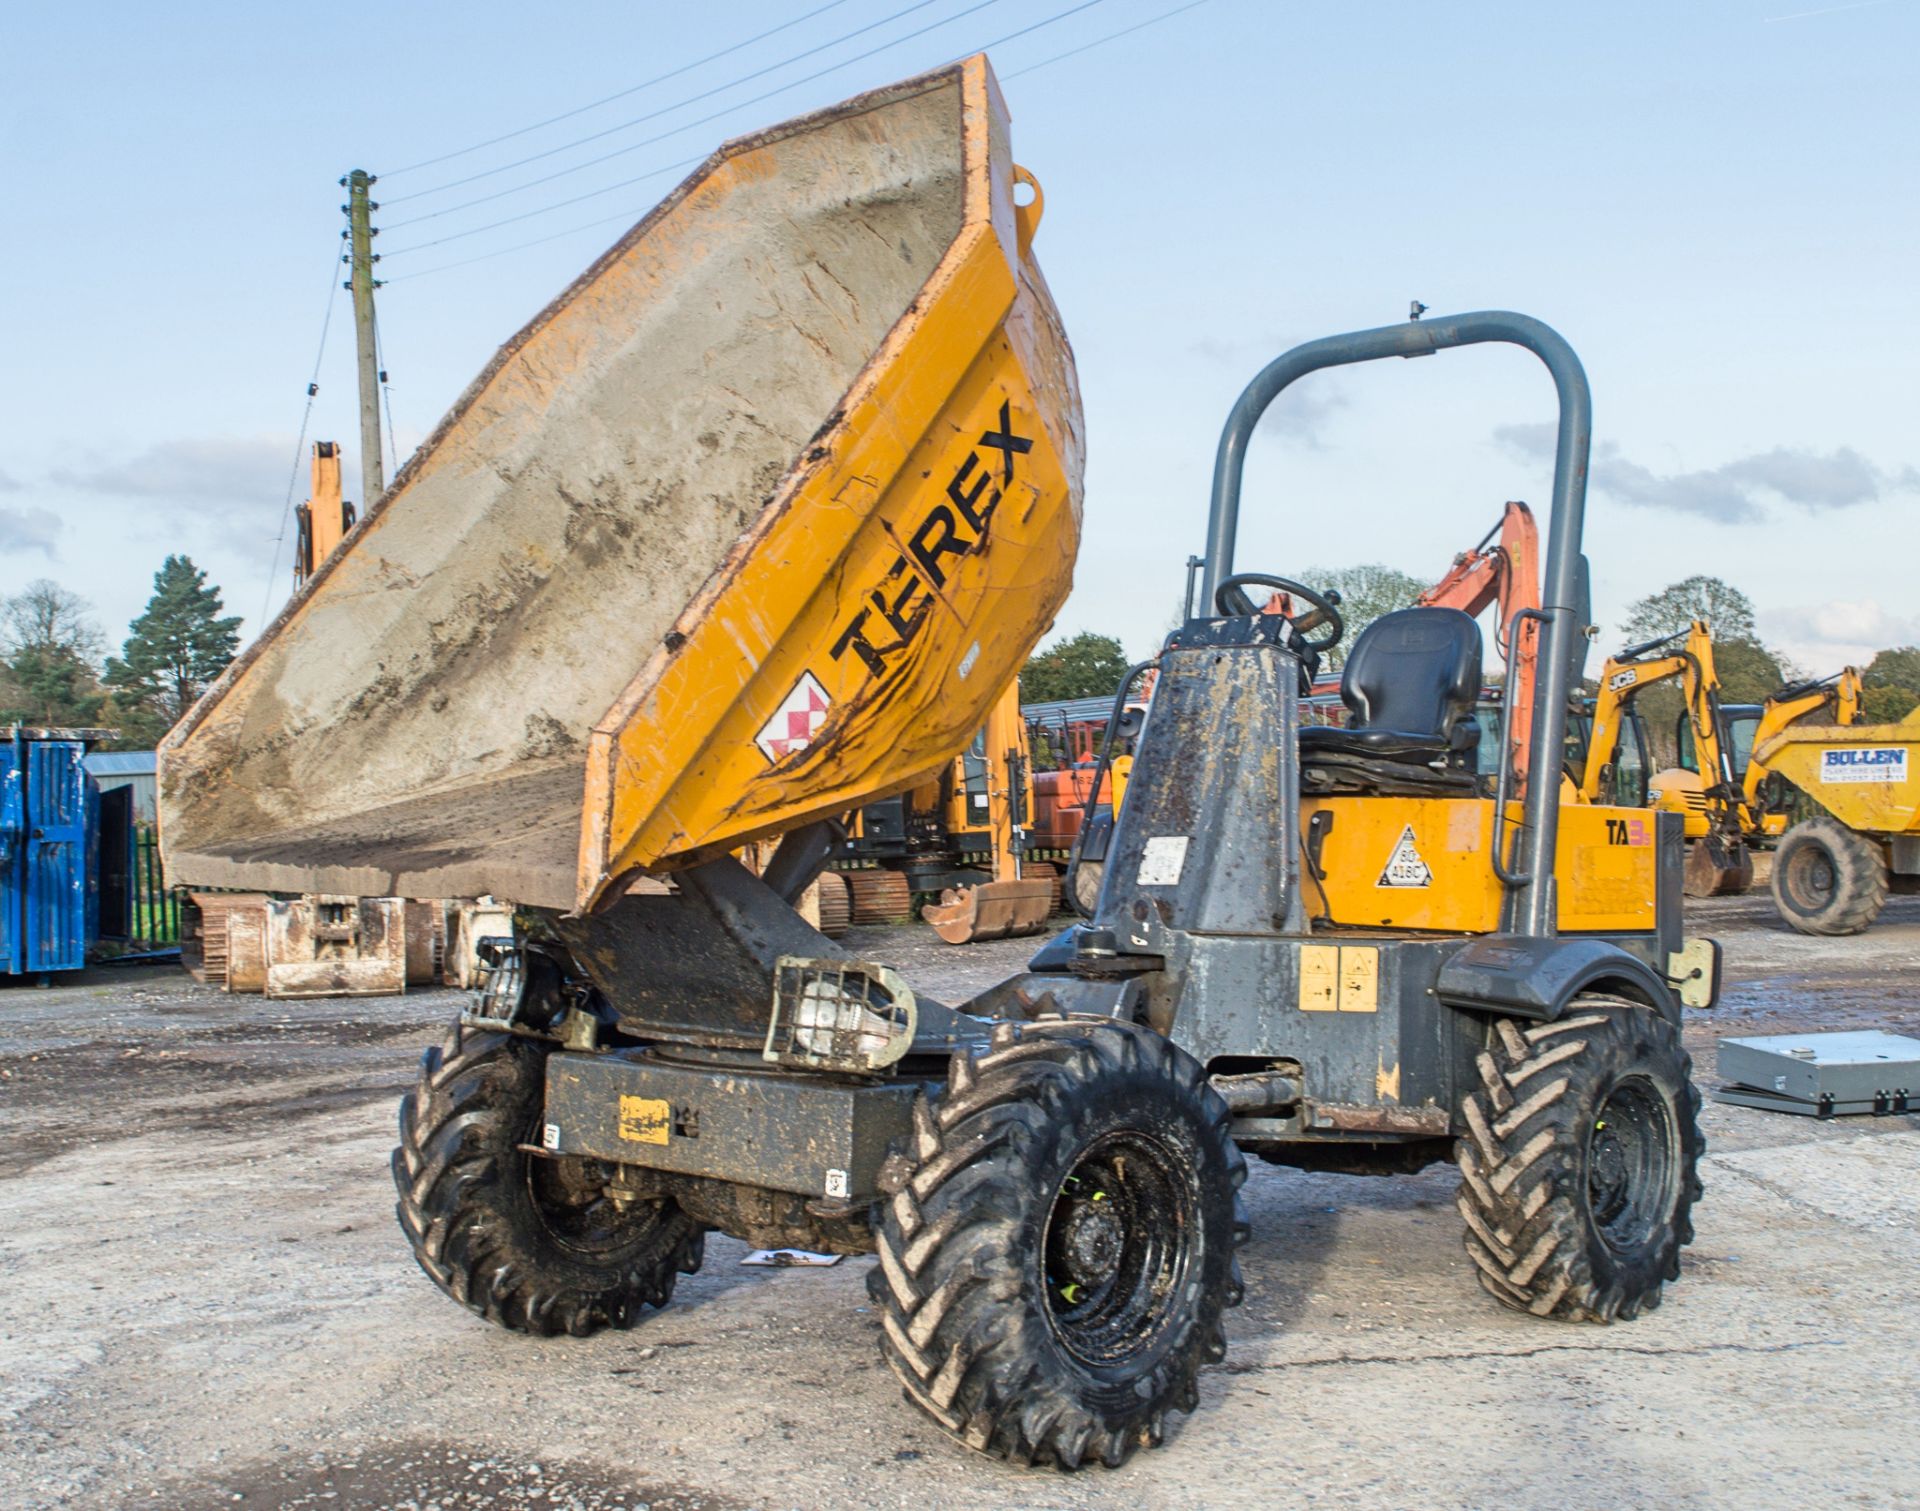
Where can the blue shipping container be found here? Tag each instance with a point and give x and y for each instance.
(49, 834)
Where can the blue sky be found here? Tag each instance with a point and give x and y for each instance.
(1715, 202)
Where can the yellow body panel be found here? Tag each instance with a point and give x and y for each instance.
(1425, 864)
(1865, 775)
(877, 592)
(1678, 790)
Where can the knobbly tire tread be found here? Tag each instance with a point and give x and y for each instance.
(468, 1213)
(1860, 881)
(1522, 1162)
(960, 1232)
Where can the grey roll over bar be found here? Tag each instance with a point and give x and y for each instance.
(1534, 897)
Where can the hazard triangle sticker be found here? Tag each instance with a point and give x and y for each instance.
(1405, 868)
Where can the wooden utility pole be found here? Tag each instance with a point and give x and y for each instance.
(360, 260)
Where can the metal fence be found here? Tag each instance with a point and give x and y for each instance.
(156, 908)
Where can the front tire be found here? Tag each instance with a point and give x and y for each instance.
(1580, 1168)
(536, 1245)
(1058, 1250)
(1828, 879)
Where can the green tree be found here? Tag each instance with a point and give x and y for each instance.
(51, 645)
(1084, 666)
(1887, 705)
(1892, 685)
(1727, 610)
(1749, 672)
(173, 651)
(1898, 667)
(1366, 592)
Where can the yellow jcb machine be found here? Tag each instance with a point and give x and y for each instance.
(1015, 901)
(1832, 872)
(1717, 813)
(962, 838)
(674, 576)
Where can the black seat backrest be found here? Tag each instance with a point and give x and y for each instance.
(1414, 670)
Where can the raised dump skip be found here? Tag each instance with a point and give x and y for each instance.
(748, 526)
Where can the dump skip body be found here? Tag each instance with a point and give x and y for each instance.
(747, 527)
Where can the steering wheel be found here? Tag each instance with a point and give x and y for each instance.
(1231, 599)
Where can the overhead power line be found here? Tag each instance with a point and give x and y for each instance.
(607, 157)
(561, 204)
(386, 393)
(629, 216)
(704, 120)
(625, 217)
(306, 418)
(567, 115)
(654, 115)
(1112, 36)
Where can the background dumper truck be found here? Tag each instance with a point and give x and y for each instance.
(751, 526)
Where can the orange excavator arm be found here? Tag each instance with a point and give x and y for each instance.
(1506, 574)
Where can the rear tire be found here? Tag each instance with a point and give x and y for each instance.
(1828, 879)
(1581, 1164)
(1057, 1251)
(533, 1244)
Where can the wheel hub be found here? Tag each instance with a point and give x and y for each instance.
(1117, 1242)
(1632, 1167)
(1608, 1178)
(1091, 1244)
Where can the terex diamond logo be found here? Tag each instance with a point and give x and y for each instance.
(796, 721)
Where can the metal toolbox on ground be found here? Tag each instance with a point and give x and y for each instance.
(1823, 1075)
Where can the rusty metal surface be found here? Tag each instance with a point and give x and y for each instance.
(330, 946)
(992, 910)
(1346, 1117)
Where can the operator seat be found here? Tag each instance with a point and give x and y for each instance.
(1410, 685)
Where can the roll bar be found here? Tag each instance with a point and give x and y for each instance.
(1534, 896)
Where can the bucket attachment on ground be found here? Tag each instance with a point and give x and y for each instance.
(748, 527)
(1718, 865)
(991, 910)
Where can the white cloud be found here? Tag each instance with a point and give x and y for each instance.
(1824, 637)
(9, 484)
(1737, 492)
(219, 469)
(28, 530)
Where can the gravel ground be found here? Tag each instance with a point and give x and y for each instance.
(206, 1302)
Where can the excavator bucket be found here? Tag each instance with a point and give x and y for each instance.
(1718, 865)
(746, 528)
(991, 910)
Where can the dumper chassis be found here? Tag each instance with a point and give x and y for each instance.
(1334, 953)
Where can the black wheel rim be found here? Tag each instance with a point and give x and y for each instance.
(1118, 1246)
(1811, 878)
(1631, 1167)
(569, 1196)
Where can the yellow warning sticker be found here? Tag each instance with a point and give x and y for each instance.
(1359, 979)
(645, 1120)
(1319, 978)
(1339, 979)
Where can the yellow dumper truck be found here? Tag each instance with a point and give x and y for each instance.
(1833, 871)
(750, 527)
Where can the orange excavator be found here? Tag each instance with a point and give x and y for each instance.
(1503, 570)
(325, 519)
